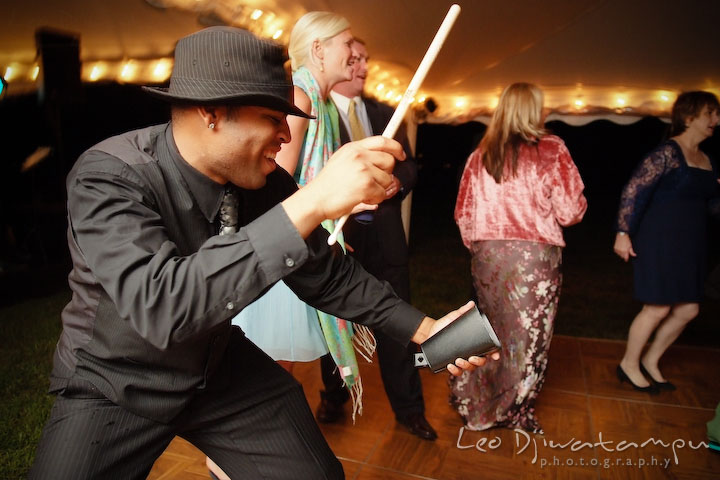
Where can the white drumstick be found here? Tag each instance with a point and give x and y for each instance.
(411, 91)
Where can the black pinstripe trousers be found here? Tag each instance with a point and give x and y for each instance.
(258, 425)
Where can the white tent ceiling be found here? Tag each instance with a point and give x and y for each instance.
(606, 53)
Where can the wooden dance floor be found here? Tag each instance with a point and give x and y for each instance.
(595, 428)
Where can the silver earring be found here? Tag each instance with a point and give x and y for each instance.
(211, 126)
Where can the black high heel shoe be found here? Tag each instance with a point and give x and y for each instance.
(622, 376)
(660, 385)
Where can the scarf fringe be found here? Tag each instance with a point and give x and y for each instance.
(356, 396)
(364, 342)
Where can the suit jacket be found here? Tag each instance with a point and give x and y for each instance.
(387, 219)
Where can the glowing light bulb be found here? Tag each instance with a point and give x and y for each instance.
(422, 99)
(620, 101)
(398, 98)
(9, 73)
(460, 103)
(579, 103)
(95, 73)
(380, 87)
(161, 70)
(256, 14)
(35, 72)
(127, 71)
(664, 98)
(277, 34)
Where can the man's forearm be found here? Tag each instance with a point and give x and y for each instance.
(302, 210)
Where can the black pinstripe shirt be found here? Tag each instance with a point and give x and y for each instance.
(154, 287)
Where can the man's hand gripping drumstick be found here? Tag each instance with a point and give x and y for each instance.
(411, 91)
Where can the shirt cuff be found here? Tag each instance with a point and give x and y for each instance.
(277, 243)
(404, 323)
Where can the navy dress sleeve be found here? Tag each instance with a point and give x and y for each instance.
(639, 190)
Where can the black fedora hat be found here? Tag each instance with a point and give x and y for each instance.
(227, 65)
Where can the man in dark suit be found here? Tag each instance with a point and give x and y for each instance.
(175, 228)
(377, 239)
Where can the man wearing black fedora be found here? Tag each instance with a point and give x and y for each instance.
(172, 230)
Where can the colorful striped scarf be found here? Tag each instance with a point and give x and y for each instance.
(322, 139)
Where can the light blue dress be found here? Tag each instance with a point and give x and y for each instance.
(283, 326)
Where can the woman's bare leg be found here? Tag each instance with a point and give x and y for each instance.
(670, 329)
(642, 327)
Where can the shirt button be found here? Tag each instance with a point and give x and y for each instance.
(289, 262)
(230, 306)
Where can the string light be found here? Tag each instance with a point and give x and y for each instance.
(162, 70)
(277, 34)
(128, 71)
(581, 100)
(95, 72)
(256, 14)
(9, 74)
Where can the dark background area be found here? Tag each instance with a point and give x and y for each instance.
(596, 299)
(597, 290)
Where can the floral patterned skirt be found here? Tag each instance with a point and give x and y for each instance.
(518, 287)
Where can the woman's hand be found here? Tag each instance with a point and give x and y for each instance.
(363, 207)
(623, 246)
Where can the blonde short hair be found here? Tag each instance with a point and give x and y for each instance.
(518, 119)
(313, 26)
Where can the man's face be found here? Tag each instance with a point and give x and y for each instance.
(360, 68)
(248, 140)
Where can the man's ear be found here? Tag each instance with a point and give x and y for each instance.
(207, 114)
(211, 115)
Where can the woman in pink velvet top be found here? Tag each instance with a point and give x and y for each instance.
(519, 188)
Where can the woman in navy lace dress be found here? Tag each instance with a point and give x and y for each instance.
(661, 225)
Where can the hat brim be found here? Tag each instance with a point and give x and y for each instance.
(259, 100)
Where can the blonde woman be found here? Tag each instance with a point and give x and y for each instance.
(321, 54)
(518, 189)
(279, 322)
(323, 41)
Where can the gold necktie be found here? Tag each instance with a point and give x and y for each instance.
(357, 132)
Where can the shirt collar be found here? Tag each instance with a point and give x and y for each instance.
(341, 101)
(207, 193)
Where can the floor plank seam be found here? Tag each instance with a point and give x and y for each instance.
(588, 408)
(386, 469)
(650, 402)
(623, 341)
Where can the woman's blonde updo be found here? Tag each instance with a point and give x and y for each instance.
(313, 26)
